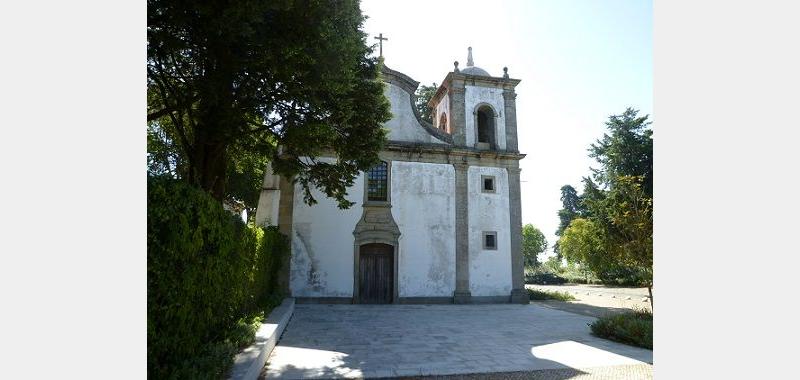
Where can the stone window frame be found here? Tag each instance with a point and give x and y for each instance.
(388, 200)
(483, 240)
(494, 184)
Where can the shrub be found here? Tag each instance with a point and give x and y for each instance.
(541, 295)
(575, 275)
(543, 275)
(210, 278)
(634, 328)
(545, 278)
(620, 276)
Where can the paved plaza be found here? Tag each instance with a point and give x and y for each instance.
(334, 341)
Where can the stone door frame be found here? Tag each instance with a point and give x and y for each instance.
(356, 266)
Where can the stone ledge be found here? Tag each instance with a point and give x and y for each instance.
(248, 363)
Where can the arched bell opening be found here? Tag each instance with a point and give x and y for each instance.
(485, 122)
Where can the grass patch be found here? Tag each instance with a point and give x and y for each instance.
(541, 295)
(634, 328)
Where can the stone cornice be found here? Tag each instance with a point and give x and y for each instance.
(399, 79)
(454, 81)
(441, 153)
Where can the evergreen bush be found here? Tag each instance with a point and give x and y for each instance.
(209, 277)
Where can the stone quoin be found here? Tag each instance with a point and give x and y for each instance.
(437, 221)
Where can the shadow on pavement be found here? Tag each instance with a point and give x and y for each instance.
(581, 308)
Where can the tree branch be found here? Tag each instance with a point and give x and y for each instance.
(159, 114)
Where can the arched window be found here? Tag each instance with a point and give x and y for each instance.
(443, 122)
(377, 182)
(486, 125)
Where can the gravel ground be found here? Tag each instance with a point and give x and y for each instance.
(621, 372)
(594, 300)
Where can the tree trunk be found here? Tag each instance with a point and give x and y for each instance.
(650, 291)
(216, 120)
(209, 163)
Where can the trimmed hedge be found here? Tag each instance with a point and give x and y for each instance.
(210, 278)
(543, 295)
(634, 328)
(544, 278)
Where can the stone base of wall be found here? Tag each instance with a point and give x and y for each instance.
(462, 297)
(520, 296)
(465, 298)
(325, 300)
(490, 299)
(425, 300)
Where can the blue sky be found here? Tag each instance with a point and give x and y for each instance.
(579, 61)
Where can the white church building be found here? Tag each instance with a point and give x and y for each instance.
(436, 221)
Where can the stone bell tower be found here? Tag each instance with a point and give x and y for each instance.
(477, 109)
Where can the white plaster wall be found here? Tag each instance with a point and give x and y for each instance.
(489, 270)
(404, 125)
(322, 244)
(423, 206)
(474, 95)
(443, 108)
(268, 206)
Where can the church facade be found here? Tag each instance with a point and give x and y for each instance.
(436, 221)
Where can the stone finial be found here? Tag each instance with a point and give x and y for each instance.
(456, 70)
(505, 72)
(469, 57)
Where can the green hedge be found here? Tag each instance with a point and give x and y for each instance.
(634, 328)
(210, 278)
(544, 278)
(543, 295)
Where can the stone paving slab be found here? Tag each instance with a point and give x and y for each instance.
(372, 341)
(620, 372)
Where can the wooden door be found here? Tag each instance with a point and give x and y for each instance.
(376, 273)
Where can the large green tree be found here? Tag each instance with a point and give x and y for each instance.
(234, 84)
(533, 243)
(614, 234)
(625, 150)
(571, 208)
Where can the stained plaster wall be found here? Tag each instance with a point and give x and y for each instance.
(423, 205)
(322, 244)
(489, 270)
(404, 125)
(474, 95)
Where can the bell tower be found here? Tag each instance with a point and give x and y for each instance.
(477, 109)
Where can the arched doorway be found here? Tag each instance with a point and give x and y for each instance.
(376, 273)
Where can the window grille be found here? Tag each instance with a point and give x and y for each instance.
(377, 182)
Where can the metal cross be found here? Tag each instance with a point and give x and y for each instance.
(380, 42)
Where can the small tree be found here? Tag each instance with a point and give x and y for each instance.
(533, 243)
(584, 242)
(423, 96)
(553, 264)
(630, 216)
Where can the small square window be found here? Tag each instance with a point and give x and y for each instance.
(490, 240)
(487, 184)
